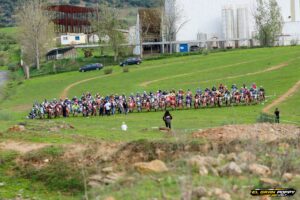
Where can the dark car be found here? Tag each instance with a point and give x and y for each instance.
(194, 48)
(131, 61)
(90, 67)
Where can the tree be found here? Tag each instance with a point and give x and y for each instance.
(107, 23)
(36, 31)
(149, 26)
(173, 21)
(99, 25)
(269, 22)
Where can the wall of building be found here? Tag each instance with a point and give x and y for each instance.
(205, 17)
(73, 39)
(202, 16)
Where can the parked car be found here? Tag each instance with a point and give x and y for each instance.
(131, 61)
(194, 48)
(90, 67)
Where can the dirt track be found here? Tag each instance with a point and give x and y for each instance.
(282, 98)
(146, 83)
(65, 92)
(242, 75)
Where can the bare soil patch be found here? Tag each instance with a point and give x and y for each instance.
(260, 132)
(21, 147)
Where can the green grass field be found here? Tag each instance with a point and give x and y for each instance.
(189, 72)
(276, 69)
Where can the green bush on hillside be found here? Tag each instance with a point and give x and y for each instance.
(264, 117)
(108, 71)
(125, 69)
(49, 152)
(57, 175)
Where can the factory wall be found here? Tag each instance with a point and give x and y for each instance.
(202, 17)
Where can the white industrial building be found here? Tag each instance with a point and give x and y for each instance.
(230, 20)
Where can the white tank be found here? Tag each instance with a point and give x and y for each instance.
(242, 26)
(228, 25)
(203, 38)
(206, 16)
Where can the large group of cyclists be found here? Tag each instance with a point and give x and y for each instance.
(99, 105)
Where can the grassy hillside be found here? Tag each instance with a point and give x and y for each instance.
(188, 72)
(276, 69)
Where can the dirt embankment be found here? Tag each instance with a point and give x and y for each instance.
(127, 153)
(261, 132)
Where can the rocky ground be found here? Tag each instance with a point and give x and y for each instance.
(265, 152)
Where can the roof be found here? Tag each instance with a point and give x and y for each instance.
(59, 51)
(70, 9)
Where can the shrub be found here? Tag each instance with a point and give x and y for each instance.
(108, 71)
(47, 152)
(13, 67)
(294, 42)
(205, 52)
(59, 175)
(125, 69)
(2, 61)
(7, 156)
(263, 117)
(5, 116)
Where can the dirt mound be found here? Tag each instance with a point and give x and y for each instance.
(263, 132)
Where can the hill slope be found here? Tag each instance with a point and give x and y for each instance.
(41, 158)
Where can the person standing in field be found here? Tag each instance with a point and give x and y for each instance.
(107, 106)
(167, 119)
(276, 115)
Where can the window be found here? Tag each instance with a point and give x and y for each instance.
(65, 38)
(77, 37)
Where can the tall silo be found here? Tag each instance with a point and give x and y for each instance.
(202, 37)
(229, 29)
(243, 26)
(293, 10)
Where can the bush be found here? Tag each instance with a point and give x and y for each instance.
(59, 175)
(205, 52)
(5, 116)
(13, 67)
(294, 42)
(125, 69)
(2, 61)
(49, 152)
(108, 71)
(263, 117)
(7, 156)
